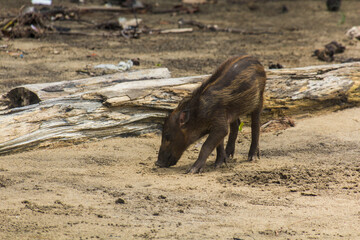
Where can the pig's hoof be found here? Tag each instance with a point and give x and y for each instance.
(230, 152)
(253, 158)
(194, 170)
(220, 162)
(218, 165)
(230, 155)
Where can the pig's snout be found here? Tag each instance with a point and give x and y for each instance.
(165, 160)
(160, 164)
(163, 164)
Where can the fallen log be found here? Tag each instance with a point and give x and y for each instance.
(34, 93)
(120, 106)
(311, 89)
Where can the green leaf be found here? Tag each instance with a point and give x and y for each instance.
(241, 126)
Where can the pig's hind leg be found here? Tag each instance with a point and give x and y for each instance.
(255, 134)
(220, 154)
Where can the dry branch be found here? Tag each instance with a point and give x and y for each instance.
(177, 9)
(90, 9)
(216, 28)
(130, 33)
(165, 31)
(111, 106)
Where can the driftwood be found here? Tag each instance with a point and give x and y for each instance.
(25, 25)
(110, 106)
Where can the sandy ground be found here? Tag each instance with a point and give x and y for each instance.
(305, 186)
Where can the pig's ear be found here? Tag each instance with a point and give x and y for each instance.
(184, 117)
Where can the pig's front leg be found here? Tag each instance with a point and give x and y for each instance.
(216, 136)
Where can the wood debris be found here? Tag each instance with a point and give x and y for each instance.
(278, 124)
(30, 24)
(327, 53)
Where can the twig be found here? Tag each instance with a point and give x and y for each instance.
(126, 33)
(268, 123)
(109, 9)
(177, 9)
(165, 31)
(215, 28)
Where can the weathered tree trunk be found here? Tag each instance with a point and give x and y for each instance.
(34, 93)
(314, 88)
(136, 102)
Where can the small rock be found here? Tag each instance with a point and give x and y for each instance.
(120, 201)
(308, 194)
(333, 5)
(327, 53)
(136, 61)
(354, 32)
(162, 197)
(275, 66)
(284, 9)
(252, 6)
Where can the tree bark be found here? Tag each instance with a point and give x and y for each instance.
(137, 102)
